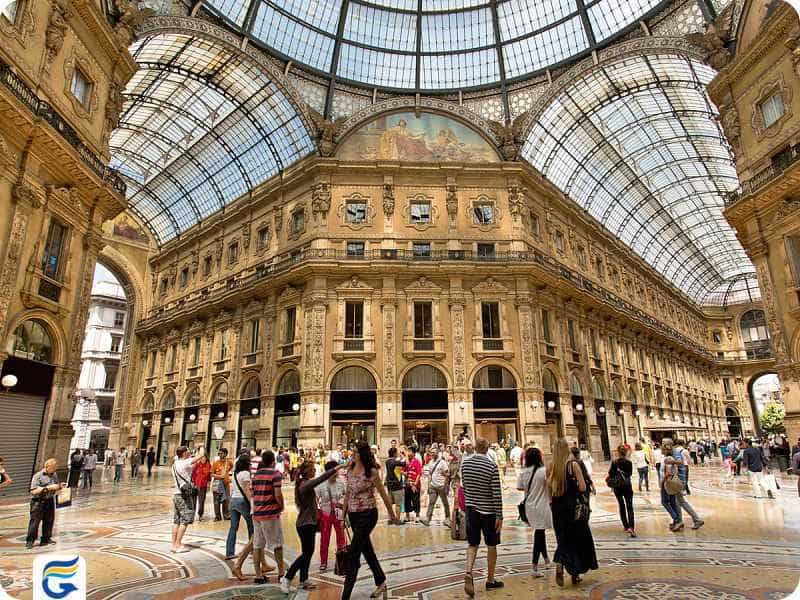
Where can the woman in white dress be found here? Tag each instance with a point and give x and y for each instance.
(532, 481)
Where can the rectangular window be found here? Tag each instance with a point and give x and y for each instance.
(184, 277)
(573, 340)
(81, 87)
(490, 316)
(255, 335)
(717, 337)
(547, 333)
(535, 224)
(298, 221)
(423, 320)
(612, 349)
(559, 240)
(291, 317)
(726, 384)
(355, 248)
(8, 8)
(110, 382)
(196, 351)
(223, 344)
(263, 238)
(419, 212)
(483, 213)
(421, 249)
(173, 357)
(207, 265)
(355, 211)
(116, 343)
(233, 253)
(53, 249)
(164, 284)
(354, 319)
(593, 341)
(598, 267)
(119, 319)
(772, 109)
(792, 244)
(653, 364)
(151, 368)
(486, 250)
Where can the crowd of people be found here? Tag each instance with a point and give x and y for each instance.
(337, 492)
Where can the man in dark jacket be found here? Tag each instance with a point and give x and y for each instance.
(753, 459)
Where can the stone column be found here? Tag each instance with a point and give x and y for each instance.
(315, 307)
(389, 398)
(24, 201)
(530, 394)
(460, 402)
(267, 415)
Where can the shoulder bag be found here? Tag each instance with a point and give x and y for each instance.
(673, 483)
(185, 486)
(582, 508)
(521, 506)
(618, 479)
(340, 568)
(241, 491)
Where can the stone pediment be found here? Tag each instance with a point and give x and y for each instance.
(490, 286)
(423, 283)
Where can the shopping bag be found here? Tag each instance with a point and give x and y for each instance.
(340, 568)
(64, 497)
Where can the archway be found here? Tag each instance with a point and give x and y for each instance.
(552, 406)
(354, 404)
(734, 422)
(218, 418)
(286, 421)
(191, 402)
(598, 391)
(634, 402)
(31, 359)
(763, 389)
(579, 411)
(148, 406)
(249, 411)
(165, 431)
(424, 406)
(494, 401)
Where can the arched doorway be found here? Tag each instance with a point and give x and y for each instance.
(218, 418)
(286, 421)
(165, 431)
(354, 404)
(494, 402)
(31, 359)
(191, 404)
(634, 402)
(552, 407)
(763, 389)
(579, 412)
(598, 391)
(619, 410)
(734, 422)
(148, 406)
(424, 406)
(249, 411)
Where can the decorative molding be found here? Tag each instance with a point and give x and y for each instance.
(77, 62)
(55, 33)
(320, 201)
(497, 213)
(768, 90)
(787, 208)
(23, 26)
(368, 218)
(420, 197)
(388, 199)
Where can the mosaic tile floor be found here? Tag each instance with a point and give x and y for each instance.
(748, 550)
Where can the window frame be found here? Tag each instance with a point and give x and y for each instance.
(479, 220)
(768, 104)
(356, 202)
(354, 243)
(421, 249)
(491, 308)
(423, 323)
(420, 202)
(78, 76)
(56, 272)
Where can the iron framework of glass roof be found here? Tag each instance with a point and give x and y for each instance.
(637, 144)
(201, 127)
(431, 45)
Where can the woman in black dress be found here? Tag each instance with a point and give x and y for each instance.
(619, 474)
(75, 466)
(575, 546)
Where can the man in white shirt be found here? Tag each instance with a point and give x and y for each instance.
(119, 463)
(438, 473)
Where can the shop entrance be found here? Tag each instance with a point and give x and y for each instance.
(286, 422)
(218, 420)
(494, 400)
(552, 407)
(354, 403)
(249, 411)
(602, 422)
(425, 406)
(579, 413)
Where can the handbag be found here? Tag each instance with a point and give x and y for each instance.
(521, 506)
(458, 526)
(582, 508)
(618, 480)
(340, 568)
(673, 484)
(187, 487)
(64, 498)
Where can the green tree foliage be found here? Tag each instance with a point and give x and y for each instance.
(772, 418)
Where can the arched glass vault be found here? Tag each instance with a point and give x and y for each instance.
(201, 126)
(637, 144)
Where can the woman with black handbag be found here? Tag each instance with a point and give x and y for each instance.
(575, 551)
(535, 506)
(619, 480)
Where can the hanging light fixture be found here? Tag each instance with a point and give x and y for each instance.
(601, 409)
(167, 420)
(550, 404)
(254, 411)
(192, 417)
(295, 407)
(579, 406)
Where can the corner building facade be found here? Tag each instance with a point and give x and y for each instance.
(390, 300)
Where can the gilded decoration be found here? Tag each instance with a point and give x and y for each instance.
(23, 25)
(77, 62)
(768, 90)
(351, 217)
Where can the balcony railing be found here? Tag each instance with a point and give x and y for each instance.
(353, 344)
(531, 257)
(490, 344)
(287, 350)
(42, 109)
(423, 344)
(763, 177)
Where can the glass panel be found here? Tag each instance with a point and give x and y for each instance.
(424, 377)
(420, 212)
(353, 378)
(354, 320)
(51, 261)
(32, 341)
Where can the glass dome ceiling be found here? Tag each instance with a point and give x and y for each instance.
(432, 44)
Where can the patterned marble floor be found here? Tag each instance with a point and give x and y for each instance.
(748, 550)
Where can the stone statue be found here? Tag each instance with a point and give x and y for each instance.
(510, 135)
(327, 131)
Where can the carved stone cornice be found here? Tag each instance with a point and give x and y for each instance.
(25, 195)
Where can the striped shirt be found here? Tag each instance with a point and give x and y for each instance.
(480, 479)
(265, 505)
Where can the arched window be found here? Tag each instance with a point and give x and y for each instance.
(424, 377)
(597, 389)
(575, 388)
(494, 377)
(193, 396)
(32, 341)
(148, 404)
(353, 378)
(616, 393)
(252, 390)
(168, 403)
(754, 326)
(289, 383)
(730, 412)
(549, 382)
(220, 395)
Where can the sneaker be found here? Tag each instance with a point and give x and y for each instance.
(285, 585)
(260, 580)
(698, 524)
(323, 568)
(469, 585)
(29, 545)
(490, 585)
(536, 572)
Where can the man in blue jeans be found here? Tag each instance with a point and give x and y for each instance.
(681, 456)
